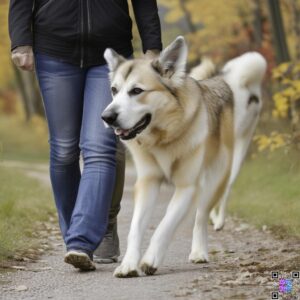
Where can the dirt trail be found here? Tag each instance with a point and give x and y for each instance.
(241, 261)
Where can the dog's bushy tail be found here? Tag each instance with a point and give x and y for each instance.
(204, 70)
(245, 71)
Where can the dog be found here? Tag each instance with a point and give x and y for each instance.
(181, 130)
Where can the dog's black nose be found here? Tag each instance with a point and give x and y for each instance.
(109, 117)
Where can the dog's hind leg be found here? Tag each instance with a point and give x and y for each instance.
(212, 188)
(146, 194)
(218, 217)
(177, 209)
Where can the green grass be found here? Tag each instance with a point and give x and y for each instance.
(267, 192)
(25, 141)
(23, 203)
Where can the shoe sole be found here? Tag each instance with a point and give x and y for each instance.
(80, 261)
(109, 260)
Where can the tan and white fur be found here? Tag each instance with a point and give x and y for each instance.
(182, 131)
(246, 114)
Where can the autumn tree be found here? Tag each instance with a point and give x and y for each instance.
(11, 76)
(214, 26)
(286, 82)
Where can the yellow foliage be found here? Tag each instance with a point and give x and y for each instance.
(262, 141)
(274, 141)
(288, 76)
(280, 70)
(169, 3)
(6, 73)
(296, 85)
(174, 15)
(281, 105)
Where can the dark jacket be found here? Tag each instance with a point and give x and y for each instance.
(78, 31)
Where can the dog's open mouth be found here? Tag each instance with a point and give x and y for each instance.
(127, 134)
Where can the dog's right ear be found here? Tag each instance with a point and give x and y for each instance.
(113, 59)
(172, 61)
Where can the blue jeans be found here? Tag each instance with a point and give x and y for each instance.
(74, 99)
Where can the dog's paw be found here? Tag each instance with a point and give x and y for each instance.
(150, 261)
(126, 271)
(217, 220)
(198, 257)
(219, 224)
(148, 269)
(213, 216)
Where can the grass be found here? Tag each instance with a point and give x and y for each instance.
(23, 203)
(23, 141)
(267, 192)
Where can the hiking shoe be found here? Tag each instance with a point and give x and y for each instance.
(109, 249)
(80, 260)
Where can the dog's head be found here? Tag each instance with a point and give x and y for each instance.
(144, 90)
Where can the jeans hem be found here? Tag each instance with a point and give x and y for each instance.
(80, 248)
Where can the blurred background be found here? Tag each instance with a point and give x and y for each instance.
(267, 192)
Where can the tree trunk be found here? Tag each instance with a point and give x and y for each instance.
(295, 105)
(191, 27)
(187, 16)
(295, 11)
(257, 24)
(282, 53)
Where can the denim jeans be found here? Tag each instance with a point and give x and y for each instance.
(74, 99)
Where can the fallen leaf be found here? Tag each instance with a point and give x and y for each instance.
(22, 268)
(21, 288)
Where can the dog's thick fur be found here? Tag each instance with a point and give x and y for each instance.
(191, 133)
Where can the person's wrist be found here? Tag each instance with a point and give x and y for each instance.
(22, 49)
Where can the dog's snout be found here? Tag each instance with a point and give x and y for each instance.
(109, 117)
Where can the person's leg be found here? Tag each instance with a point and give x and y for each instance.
(119, 183)
(109, 249)
(98, 146)
(62, 87)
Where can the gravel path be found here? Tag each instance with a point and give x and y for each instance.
(242, 259)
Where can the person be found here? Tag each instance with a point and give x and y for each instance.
(64, 42)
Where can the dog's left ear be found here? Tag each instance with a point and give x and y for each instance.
(172, 61)
(113, 59)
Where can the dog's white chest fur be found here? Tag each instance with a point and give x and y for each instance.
(164, 160)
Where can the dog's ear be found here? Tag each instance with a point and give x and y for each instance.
(172, 61)
(113, 59)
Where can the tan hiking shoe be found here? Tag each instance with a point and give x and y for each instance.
(80, 260)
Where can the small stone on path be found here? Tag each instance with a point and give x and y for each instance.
(21, 288)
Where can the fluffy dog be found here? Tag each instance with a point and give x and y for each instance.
(191, 133)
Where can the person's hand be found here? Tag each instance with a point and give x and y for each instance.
(23, 58)
(151, 54)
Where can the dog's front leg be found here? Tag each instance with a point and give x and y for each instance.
(177, 209)
(146, 192)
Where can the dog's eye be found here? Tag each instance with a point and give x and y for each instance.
(136, 91)
(113, 90)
